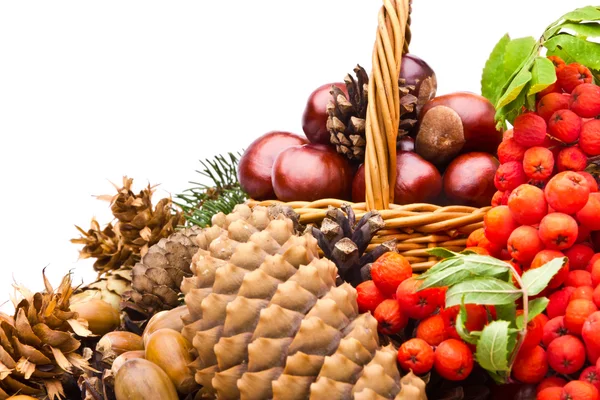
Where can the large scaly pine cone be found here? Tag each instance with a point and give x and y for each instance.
(138, 226)
(267, 321)
(157, 277)
(38, 350)
(347, 114)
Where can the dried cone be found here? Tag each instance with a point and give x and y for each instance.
(267, 320)
(157, 277)
(138, 226)
(109, 287)
(348, 113)
(37, 346)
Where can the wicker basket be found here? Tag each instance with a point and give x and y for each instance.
(416, 227)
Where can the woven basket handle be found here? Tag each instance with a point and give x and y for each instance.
(383, 114)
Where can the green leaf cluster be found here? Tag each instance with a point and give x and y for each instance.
(221, 193)
(476, 279)
(515, 71)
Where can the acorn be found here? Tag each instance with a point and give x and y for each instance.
(114, 344)
(123, 358)
(170, 351)
(139, 379)
(100, 315)
(165, 319)
(21, 397)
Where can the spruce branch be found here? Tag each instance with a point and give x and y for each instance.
(221, 193)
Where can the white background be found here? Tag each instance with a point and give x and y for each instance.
(92, 91)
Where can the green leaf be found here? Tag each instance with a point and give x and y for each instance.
(461, 329)
(583, 30)
(442, 265)
(517, 52)
(543, 74)
(446, 277)
(492, 348)
(441, 252)
(486, 290)
(535, 308)
(493, 77)
(576, 49)
(485, 264)
(536, 280)
(515, 88)
(589, 13)
(507, 312)
(471, 266)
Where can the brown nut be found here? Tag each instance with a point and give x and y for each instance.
(114, 344)
(123, 358)
(139, 379)
(165, 319)
(21, 397)
(100, 315)
(170, 351)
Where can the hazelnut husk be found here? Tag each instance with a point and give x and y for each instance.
(170, 351)
(113, 344)
(139, 379)
(101, 316)
(441, 136)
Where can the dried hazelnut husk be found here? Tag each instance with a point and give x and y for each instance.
(139, 379)
(165, 319)
(100, 315)
(123, 358)
(114, 344)
(170, 351)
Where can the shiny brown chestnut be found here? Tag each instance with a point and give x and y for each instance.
(314, 118)
(469, 179)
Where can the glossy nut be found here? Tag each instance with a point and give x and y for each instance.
(139, 379)
(123, 358)
(114, 344)
(169, 350)
(170, 319)
(100, 315)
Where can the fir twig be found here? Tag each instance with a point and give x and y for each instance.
(221, 194)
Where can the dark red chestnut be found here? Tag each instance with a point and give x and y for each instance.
(314, 118)
(477, 115)
(406, 143)
(414, 71)
(418, 181)
(469, 179)
(254, 170)
(311, 172)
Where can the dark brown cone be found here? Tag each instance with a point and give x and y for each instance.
(347, 114)
(157, 277)
(138, 226)
(38, 349)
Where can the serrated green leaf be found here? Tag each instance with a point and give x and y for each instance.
(535, 308)
(478, 261)
(507, 312)
(511, 110)
(576, 49)
(446, 277)
(589, 13)
(492, 347)
(515, 88)
(543, 74)
(461, 329)
(441, 252)
(516, 54)
(536, 280)
(494, 77)
(442, 265)
(471, 266)
(490, 291)
(582, 30)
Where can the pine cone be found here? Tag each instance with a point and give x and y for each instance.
(37, 346)
(138, 226)
(344, 241)
(267, 321)
(157, 277)
(347, 113)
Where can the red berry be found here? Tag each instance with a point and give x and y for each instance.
(509, 176)
(573, 75)
(577, 278)
(567, 192)
(524, 243)
(579, 256)
(577, 312)
(589, 215)
(390, 318)
(544, 257)
(531, 365)
(453, 360)
(589, 139)
(416, 355)
(571, 159)
(551, 103)
(565, 126)
(558, 231)
(538, 163)
(585, 100)
(389, 271)
(527, 204)
(590, 375)
(509, 150)
(499, 224)
(529, 130)
(559, 300)
(553, 329)
(369, 297)
(566, 354)
(418, 304)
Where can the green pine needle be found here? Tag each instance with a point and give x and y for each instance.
(221, 194)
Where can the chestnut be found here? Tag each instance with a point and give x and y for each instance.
(405, 143)
(314, 118)
(419, 77)
(254, 169)
(310, 172)
(418, 181)
(469, 179)
(477, 115)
